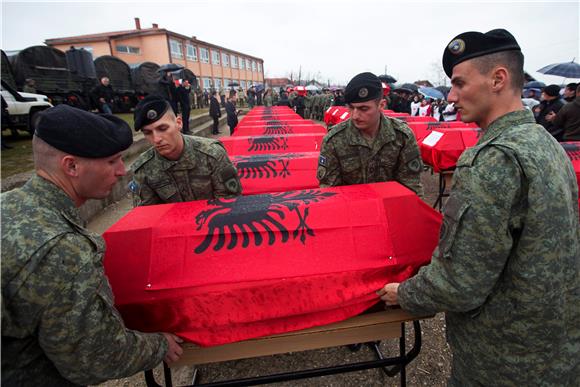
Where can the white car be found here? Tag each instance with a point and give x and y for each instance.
(23, 108)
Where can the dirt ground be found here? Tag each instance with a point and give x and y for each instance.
(430, 368)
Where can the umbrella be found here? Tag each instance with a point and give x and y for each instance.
(409, 86)
(258, 86)
(534, 85)
(387, 78)
(312, 88)
(444, 89)
(566, 69)
(170, 67)
(231, 84)
(431, 92)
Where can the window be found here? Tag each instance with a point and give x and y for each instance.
(241, 63)
(225, 59)
(129, 49)
(206, 83)
(234, 61)
(253, 65)
(191, 52)
(217, 83)
(204, 54)
(247, 64)
(227, 82)
(176, 48)
(215, 57)
(259, 67)
(243, 84)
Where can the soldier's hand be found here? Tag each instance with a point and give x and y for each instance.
(174, 350)
(389, 293)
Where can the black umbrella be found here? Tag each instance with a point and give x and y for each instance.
(534, 85)
(410, 86)
(387, 78)
(169, 67)
(566, 69)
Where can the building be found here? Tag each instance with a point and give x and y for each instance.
(215, 66)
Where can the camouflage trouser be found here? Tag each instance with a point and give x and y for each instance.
(307, 113)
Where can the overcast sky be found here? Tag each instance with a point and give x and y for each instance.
(335, 39)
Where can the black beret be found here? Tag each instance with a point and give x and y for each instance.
(81, 133)
(149, 110)
(469, 45)
(363, 87)
(552, 90)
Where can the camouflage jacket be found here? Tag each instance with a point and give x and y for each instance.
(204, 171)
(346, 158)
(506, 269)
(59, 326)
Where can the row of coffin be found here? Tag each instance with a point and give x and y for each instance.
(282, 257)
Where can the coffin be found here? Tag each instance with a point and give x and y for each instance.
(277, 172)
(226, 270)
(291, 143)
(273, 129)
(441, 148)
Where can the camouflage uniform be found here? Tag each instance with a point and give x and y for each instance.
(506, 270)
(316, 107)
(59, 326)
(308, 106)
(346, 157)
(327, 102)
(198, 174)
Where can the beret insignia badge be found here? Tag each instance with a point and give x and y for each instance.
(363, 92)
(151, 114)
(457, 46)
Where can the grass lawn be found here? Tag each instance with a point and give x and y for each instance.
(18, 159)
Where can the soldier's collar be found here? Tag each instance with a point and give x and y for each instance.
(384, 135)
(54, 197)
(514, 118)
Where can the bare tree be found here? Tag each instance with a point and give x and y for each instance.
(438, 75)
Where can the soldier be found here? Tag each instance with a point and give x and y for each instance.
(178, 168)
(369, 147)
(506, 270)
(308, 105)
(59, 326)
(316, 106)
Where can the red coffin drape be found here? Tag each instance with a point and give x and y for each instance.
(279, 117)
(441, 148)
(572, 149)
(270, 110)
(292, 143)
(270, 122)
(277, 172)
(265, 130)
(233, 269)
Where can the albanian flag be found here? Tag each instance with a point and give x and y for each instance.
(226, 270)
(282, 128)
(291, 143)
(277, 172)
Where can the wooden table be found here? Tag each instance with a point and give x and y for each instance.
(370, 327)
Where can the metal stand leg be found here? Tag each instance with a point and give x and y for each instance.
(402, 354)
(167, 375)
